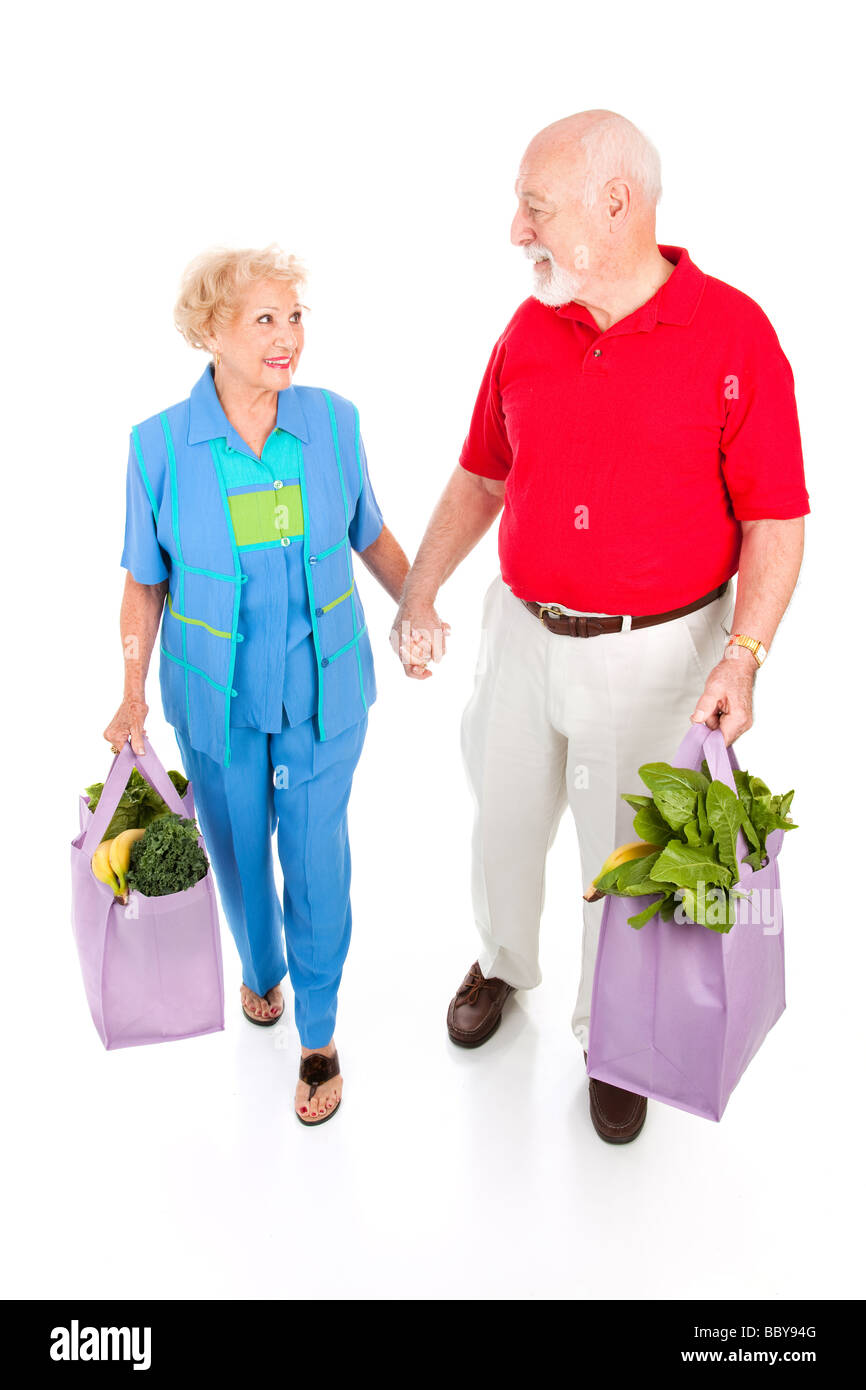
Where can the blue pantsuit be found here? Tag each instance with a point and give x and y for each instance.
(266, 669)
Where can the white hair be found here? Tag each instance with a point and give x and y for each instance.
(613, 147)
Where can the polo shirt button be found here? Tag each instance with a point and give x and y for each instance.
(324, 661)
(596, 352)
(285, 540)
(278, 483)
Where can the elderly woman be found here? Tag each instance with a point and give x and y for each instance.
(244, 503)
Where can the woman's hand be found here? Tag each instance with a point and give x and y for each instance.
(128, 723)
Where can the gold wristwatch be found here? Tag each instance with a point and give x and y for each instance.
(757, 648)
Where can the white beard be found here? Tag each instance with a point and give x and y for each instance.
(557, 286)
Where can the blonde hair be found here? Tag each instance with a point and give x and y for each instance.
(210, 284)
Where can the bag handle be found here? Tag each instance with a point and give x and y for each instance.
(150, 768)
(701, 742)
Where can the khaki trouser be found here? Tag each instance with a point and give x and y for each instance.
(555, 720)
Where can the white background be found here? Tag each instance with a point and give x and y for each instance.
(381, 143)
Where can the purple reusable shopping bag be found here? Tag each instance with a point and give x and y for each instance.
(152, 967)
(678, 1010)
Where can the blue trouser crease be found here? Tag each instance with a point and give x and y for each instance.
(299, 785)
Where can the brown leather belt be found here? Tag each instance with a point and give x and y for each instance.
(581, 625)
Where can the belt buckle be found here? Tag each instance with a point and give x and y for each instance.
(549, 608)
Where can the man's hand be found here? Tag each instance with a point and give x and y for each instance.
(726, 703)
(418, 636)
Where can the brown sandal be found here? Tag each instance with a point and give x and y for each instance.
(315, 1070)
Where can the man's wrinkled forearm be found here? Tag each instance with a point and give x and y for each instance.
(770, 557)
(464, 513)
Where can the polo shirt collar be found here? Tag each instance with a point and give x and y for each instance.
(674, 302)
(208, 420)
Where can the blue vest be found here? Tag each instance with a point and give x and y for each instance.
(199, 634)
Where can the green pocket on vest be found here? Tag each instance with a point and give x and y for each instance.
(264, 518)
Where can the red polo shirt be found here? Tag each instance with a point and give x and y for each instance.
(631, 456)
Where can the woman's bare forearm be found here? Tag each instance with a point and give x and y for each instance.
(140, 614)
(465, 511)
(388, 561)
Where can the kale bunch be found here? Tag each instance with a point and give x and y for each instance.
(138, 805)
(168, 858)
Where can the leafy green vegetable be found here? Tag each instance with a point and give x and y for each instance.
(692, 832)
(139, 804)
(652, 827)
(687, 866)
(168, 858)
(635, 876)
(703, 823)
(674, 790)
(641, 918)
(695, 821)
(668, 907)
(713, 909)
(724, 814)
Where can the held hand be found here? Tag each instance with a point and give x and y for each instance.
(418, 636)
(128, 723)
(726, 703)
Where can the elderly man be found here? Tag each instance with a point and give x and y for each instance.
(637, 423)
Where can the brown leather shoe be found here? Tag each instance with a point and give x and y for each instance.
(475, 1012)
(618, 1116)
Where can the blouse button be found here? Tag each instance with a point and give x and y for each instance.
(324, 661)
(285, 540)
(596, 352)
(277, 484)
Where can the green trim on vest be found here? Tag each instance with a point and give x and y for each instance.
(197, 622)
(328, 606)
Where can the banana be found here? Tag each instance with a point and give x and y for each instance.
(101, 866)
(119, 850)
(635, 849)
